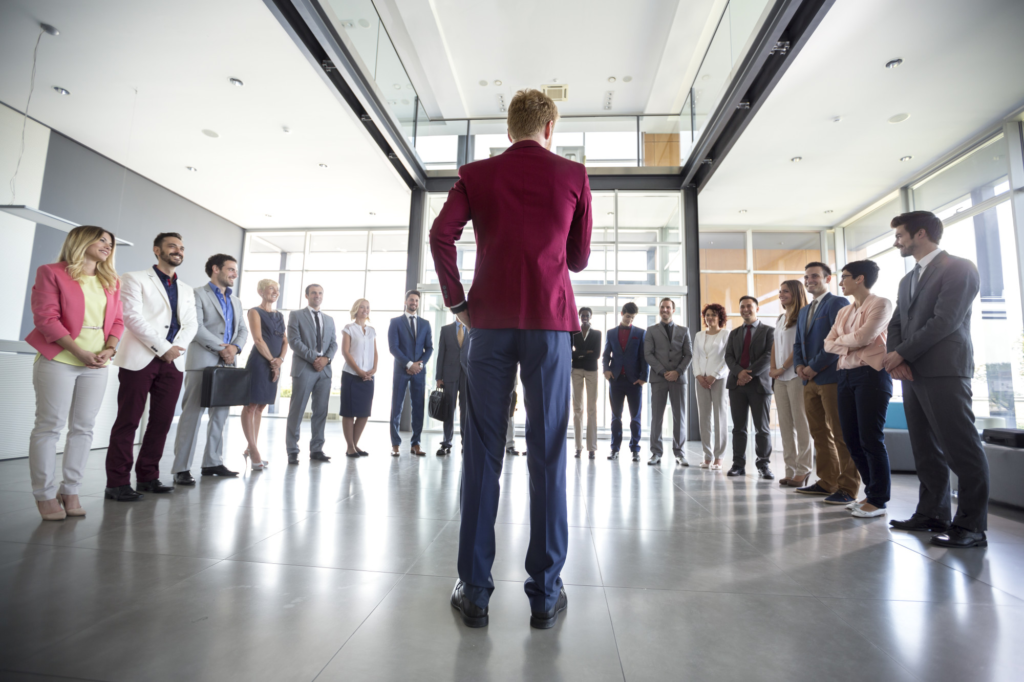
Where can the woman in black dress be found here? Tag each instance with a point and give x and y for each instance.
(264, 364)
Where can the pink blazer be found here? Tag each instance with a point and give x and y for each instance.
(58, 309)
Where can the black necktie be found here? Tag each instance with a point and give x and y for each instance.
(319, 334)
(412, 327)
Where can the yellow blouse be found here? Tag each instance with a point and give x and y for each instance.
(91, 340)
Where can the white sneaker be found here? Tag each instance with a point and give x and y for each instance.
(853, 505)
(862, 514)
(715, 467)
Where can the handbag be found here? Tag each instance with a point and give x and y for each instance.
(438, 405)
(225, 386)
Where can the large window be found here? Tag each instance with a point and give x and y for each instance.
(349, 265)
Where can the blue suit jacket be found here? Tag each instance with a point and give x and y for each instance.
(404, 347)
(809, 348)
(631, 357)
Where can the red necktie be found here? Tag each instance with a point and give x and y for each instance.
(745, 355)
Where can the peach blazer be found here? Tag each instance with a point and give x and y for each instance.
(858, 335)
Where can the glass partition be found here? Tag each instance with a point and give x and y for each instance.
(979, 175)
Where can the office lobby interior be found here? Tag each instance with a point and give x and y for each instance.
(727, 144)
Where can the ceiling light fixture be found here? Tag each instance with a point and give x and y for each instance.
(323, 165)
(899, 118)
(398, 86)
(60, 90)
(797, 159)
(191, 169)
(743, 210)
(837, 119)
(286, 130)
(237, 82)
(906, 158)
(828, 210)
(268, 215)
(210, 133)
(611, 79)
(372, 213)
(497, 82)
(893, 63)
(51, 30)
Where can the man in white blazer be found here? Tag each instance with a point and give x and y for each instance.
(159, 324)
(221, 332)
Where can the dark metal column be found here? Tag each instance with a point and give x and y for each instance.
(417, 237)
(691, 243)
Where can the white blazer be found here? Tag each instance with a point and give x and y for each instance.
(147, 317)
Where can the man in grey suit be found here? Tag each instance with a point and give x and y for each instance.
(312, 338)
(221, 334)
(930, 350)
(748, 356)
(667, 351)
(450, 377)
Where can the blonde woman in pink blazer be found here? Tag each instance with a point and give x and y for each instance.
(76, 306)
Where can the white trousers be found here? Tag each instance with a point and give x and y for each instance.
(64, 393)
(789, 401)
(581, 378)
(711, 403)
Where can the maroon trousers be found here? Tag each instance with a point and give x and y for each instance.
(161, 382)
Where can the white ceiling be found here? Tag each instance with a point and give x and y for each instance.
(961, 74)
(449, 46)
(178, 56)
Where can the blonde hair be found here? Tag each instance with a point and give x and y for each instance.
(73, 253)
(262, 285)
(355, 308)
(528, 113)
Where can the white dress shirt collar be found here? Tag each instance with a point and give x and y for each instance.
(929, 258)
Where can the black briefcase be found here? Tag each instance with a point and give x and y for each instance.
(1009, 438)
(437, 406)
(225, 386)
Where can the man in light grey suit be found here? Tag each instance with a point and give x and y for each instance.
(451, 377)
(748, 356)
(221, 334)
(667, 351)
(930, 350)
(312, 338)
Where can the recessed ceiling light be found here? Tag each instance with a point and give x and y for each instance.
(191, 169)
(372, 213)
(286, 130)
(497, 82)
(906, 158)
(237, 82)
(210, 133)
(893, 63)
(829, 210)
(611, 79)
(268, 215)
(323, 165)
(611, 212)
(705, 76)
(398, 86)
(797, 159)
(52, 30)
(837, 119)
(743, 210)
(626, 79)
(899, 118)
(483, 84)
(60, 90)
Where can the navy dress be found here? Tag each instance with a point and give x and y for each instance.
(263, 391)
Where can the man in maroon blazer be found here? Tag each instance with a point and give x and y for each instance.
(531, 219)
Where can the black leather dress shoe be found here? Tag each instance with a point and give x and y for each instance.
(592, 454)
(737, 471)
(578, 453)
(184, 478)
(766, 474)
(293, 459)
(441, 452)
(960, 538)
(319, 457)
(122, 493)
(472, 615)
(614, 455)
(219, 470)
(154, 486)
(919, 523)
(546, 619)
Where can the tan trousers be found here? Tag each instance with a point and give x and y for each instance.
(789, 399)
(579, 378)
(835, 467)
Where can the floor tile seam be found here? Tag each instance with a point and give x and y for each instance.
(992, 605)
(761, 593)
(688, 495)
(55, 677)
(878, 648)
(768, 558)
(953, 568)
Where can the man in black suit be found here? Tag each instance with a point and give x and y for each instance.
(930, 350)
(586, 349)
(452, 379)
(748, 356)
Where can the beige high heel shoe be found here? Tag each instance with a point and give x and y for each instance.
(256, 466)
(71, 511)
(51, 516)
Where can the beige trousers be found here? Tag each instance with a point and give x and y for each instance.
(581, 377)
(789, 400)
(711, 403)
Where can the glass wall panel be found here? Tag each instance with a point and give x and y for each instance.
(337, 251)
(723, 251)
(871, 227)
(978, 175)
(786, 251)
(724, 289)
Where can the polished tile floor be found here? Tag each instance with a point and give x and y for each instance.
(342, 571)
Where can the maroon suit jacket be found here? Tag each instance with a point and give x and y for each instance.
(531, 218)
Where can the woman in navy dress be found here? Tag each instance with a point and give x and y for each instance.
(359, 348)
(264, 365)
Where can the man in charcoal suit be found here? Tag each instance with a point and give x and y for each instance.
(748, 356)
(450, 377)
(313, 339)
(667, 351)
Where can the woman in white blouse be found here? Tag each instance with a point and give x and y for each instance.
(710, 371)
(359, 348)
(789, 388)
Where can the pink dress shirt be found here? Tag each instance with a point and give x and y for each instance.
(858, 336)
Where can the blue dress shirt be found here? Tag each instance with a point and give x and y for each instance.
(227, 309)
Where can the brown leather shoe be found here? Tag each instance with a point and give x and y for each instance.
(418, 451)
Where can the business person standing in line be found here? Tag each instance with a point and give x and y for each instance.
(586, 350)
(930, 350)
(667, 351)
(748, 356)
(412, 344)
(451, 351)
(626, 371)
(221, 332)
(314, 342)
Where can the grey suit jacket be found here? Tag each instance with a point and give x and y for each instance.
(664, 354)
(448, 367)
(206, 346)
(302, 341)
(760, 357)
(932, 330)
